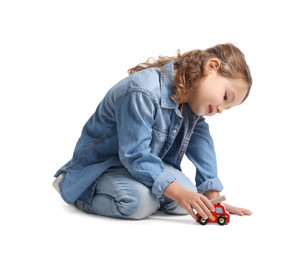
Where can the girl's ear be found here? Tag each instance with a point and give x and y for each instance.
(213, 64)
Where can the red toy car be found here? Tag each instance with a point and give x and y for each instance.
(220, 216)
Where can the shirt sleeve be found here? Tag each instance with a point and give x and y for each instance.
(135, 118)
(201, 153)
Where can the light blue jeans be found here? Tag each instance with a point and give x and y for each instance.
(119, 195)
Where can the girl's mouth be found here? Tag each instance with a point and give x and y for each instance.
(210, 109)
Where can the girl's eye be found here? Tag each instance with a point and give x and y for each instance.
(225, 96)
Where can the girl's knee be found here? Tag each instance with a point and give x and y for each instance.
(140, 206)
(119, 195)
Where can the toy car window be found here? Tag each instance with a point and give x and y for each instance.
(219, 210)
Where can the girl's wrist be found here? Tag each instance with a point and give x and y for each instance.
(211, 194)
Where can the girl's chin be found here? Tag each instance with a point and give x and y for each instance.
(198, 111)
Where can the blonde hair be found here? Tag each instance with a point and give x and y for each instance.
(190, 67)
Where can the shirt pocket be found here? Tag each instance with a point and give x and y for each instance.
(159, 138)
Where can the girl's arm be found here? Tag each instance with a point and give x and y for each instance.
(135, 119)
(201, 153)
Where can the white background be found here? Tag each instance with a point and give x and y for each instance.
(58, 59)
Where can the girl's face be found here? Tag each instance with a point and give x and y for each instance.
(213, 93)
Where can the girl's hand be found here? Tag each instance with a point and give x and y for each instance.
(231, 209)
(237, 211)
(192, 202)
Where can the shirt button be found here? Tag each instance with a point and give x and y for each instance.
(174, 131)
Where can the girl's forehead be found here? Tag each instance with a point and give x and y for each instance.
(240, 89)
(239, 84)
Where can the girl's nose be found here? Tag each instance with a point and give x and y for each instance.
(220, 109)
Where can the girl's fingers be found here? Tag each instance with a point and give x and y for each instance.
(204, 209)
(191, 212)
(238, 211)
(246, 212)
(200, 211)
(207, 203)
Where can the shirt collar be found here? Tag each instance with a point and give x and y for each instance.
(167, 78)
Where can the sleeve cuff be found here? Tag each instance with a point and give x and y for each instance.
(161, 183)
(211, 184)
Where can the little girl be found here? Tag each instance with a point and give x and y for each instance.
(127, 161)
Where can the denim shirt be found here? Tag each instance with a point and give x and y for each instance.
(139, 126)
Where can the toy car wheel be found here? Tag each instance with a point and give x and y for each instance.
(222, 220)
(203, 221)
